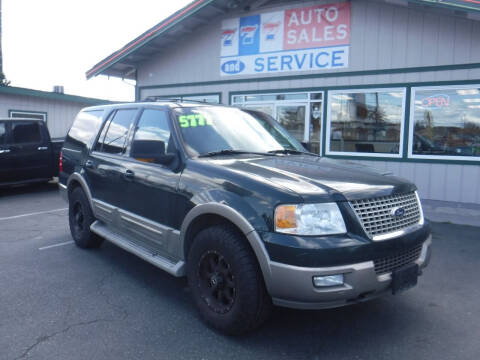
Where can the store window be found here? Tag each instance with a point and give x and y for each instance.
(299, 112)
(368, 121)
(445, 123)
(20, 114)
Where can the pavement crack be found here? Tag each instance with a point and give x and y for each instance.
(107, 298)
(44, 338)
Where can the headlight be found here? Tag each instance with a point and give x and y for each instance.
(309, 219)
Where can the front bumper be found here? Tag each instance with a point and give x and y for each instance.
(292, 286)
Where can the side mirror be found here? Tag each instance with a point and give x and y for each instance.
(165, 159)
(151, 151)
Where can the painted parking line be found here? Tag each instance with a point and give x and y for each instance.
(56, 245)
(32, 214)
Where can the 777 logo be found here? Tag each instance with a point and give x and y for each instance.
(247, 34)
(270, 30)
(227, 37)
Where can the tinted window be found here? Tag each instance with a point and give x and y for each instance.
(114, 135)
(153, 125)
(24, 132)
(86, 126)
(152, 135)
(2, 133)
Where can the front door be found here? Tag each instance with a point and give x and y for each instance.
(6, 162)
(154, 202)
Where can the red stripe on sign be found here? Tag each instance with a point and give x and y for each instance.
(473, 1)
(159, 27)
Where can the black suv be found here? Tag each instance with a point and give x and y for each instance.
(230, 199)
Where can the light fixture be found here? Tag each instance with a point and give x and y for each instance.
(464, 92)
(328, 280)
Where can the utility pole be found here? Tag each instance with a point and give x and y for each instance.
(3, 80)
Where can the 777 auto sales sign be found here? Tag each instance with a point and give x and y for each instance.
(298, 39)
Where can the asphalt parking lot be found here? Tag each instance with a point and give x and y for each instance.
(60, 302)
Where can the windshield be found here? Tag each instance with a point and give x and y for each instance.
(207, 130)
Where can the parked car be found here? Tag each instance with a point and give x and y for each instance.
(27, 154)
(232, 201)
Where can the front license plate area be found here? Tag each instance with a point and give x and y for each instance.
(404, 278)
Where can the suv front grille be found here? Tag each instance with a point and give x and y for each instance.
(388, 264)
(376, 216)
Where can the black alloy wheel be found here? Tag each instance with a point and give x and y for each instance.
(217, 283)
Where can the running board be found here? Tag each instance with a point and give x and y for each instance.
(176, 269)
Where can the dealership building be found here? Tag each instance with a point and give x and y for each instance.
(393, 84)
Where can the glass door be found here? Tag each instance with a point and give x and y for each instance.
(292, 117)
(315, 125)
(265, 108)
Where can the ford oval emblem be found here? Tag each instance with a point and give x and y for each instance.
(397, 212)
(233, 67)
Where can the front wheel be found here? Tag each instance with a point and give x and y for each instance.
(80, 217)
(226, 281)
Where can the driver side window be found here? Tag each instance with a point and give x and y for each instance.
(152, 135)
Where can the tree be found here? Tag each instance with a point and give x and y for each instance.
(3, 79)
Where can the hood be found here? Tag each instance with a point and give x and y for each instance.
(316, 178)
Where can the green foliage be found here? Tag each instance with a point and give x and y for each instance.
(3, 80)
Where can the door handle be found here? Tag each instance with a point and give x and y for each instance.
(42, 148)
(4, 151)
(89, 164)
(129, 174)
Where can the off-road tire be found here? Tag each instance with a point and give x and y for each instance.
(251, 303)
(80, 217)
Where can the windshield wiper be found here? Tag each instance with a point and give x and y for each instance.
(232, 152)
(291, 151)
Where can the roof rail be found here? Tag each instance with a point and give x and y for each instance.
(176, 100)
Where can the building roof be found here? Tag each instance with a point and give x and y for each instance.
(123, 62)
(12, 90)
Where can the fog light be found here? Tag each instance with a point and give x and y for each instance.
(328, 280)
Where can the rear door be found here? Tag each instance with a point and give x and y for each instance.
(106, 173)
(29, 151)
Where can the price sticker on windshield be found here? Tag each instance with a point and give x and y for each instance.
(194, 120)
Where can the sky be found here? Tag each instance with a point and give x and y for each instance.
(54, 42)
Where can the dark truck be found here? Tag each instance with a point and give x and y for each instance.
(231, 200)
(27, 154)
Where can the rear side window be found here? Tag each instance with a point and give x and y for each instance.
(113, 139)
(3, 133)
(25, 132)
(85, 127)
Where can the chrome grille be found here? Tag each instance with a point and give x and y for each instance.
(388, 264)
(375, 214)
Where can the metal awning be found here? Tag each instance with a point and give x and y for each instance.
(123, 63)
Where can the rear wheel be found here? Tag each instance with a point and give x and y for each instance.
(80, 218)
(226, 281)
